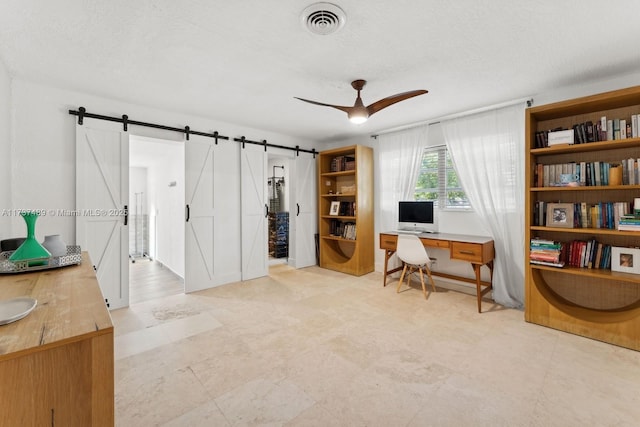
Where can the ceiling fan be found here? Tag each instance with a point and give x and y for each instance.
(359, 113)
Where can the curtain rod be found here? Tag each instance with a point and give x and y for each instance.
(82, 114)
(429, 122)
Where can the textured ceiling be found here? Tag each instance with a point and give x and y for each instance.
(243, 61)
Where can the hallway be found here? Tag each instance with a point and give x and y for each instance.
(150, 279)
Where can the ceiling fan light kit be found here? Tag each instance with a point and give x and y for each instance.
(359, 114)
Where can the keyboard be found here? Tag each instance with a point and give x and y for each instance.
(409, 232)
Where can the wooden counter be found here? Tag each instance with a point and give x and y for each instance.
(56, 364)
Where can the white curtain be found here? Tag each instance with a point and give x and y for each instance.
(487, 150)
(399, 158)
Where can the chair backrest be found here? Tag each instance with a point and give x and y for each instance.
(411, 250)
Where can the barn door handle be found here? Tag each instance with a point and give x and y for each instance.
(298, 206)
(126, 214)
(188, 213)
(266, 210)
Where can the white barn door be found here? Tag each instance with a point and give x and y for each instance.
(102, 192)
(303, 215)
(200, 212)
(212, 213)
(253, 179)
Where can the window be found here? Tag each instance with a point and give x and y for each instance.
(438, 180)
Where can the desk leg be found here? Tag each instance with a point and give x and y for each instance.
(476, 269)
(387, 255)
(488, 287)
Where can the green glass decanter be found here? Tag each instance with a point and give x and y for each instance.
(30, 248)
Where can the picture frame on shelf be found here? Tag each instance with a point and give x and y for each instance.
(560, 215)
(334, 210)
(625, 260)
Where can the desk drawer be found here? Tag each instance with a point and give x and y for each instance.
(434, 243)
(388, 242)
(471, 252)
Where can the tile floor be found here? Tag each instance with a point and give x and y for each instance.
(313, 347)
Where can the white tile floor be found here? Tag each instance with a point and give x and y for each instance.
(313, 347)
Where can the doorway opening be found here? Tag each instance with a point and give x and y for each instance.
(156, 218)
(278, 194)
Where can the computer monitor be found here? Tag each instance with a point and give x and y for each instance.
(417, 216)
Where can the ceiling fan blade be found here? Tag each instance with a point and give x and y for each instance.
(339, 107)
(390, 100)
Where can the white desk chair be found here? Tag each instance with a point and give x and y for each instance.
(414, 256)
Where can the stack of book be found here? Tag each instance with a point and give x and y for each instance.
(343, 163)
(349, 231)
(545, 252)
(629, 223)
(346, 230)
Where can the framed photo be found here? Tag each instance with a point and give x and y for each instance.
(625, 260)
(560, 215)
(335, 208)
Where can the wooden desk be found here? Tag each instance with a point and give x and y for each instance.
(477, 250)
(57, 363)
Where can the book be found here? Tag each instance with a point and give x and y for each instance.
(583, 173)
(539, 175)
(591, 137)
(540, 241)
(550, 257)
(584, 220)
(545, 176)
(629, 227)
(598, 256)
(550, 264)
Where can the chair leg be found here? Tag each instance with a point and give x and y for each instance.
(424, 290)
(401, 278)
(433, 285)
(411, 270)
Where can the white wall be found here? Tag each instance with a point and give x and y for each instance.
(43, 148)
(168, 206)
(138, 207)
(5, 151)
(574, 91)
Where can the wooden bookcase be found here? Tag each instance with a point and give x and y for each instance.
(345, 175)
(595, 303)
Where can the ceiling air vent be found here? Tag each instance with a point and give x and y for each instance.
(323, 18)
